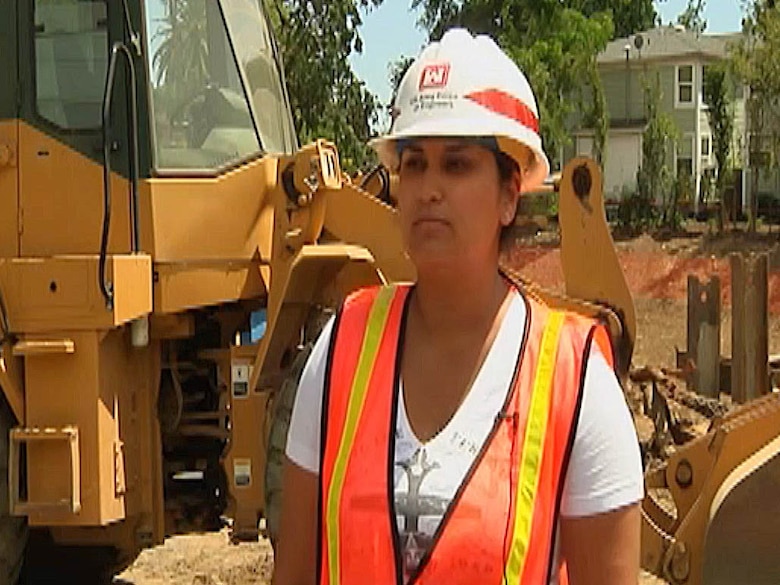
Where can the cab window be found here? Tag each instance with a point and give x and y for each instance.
(255, 51)
(71, 59)
(201, 118)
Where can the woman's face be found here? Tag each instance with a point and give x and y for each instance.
(452, 203)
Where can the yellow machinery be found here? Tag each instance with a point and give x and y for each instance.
(154, 204)
(167, 250)
(711, 513)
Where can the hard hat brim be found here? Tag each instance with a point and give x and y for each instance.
(522, 144)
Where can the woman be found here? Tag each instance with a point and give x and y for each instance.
(458, 430)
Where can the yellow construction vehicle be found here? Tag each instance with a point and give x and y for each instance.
(167, 251)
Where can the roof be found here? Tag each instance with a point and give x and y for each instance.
(668, 42)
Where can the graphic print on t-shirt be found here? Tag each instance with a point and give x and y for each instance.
(428, 476)
(411, 505)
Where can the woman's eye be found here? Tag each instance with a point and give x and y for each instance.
(457, 164)
(413, 163)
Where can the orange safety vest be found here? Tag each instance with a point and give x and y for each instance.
(500, 527)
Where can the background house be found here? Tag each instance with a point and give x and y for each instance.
(680, 58)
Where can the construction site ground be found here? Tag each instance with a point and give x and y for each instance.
(657, 270)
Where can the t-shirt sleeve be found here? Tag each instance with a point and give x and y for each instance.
(303, 439)
(605, 468)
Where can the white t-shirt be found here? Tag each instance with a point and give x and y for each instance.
(604, 470)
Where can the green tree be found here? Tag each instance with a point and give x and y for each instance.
(692, 18)
(718, 95)
(654, 179)
(598, 118)
(754, 60)
(180, 62)
(328, 100)
(628, 16)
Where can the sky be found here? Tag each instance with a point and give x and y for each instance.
(391, 31)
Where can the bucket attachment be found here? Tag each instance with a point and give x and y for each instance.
(743, 537)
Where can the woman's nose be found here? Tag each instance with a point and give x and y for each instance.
(432, 195)
(432, 189)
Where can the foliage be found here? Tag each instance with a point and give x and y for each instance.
(598, 118)
(692, 18)
(635, 213)
(754, 57)
(654, 179)
(553, 44)
(628, 16)
(396, 70)
(683, 186)
(488, 16)
(718, 96)
(754, 60)
(180, 61)
(327, 98)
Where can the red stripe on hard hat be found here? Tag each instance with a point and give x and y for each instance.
(507, 105)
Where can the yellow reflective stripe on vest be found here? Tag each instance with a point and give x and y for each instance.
(377, 318)
(533, 447)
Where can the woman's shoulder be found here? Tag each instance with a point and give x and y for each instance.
(605, 468)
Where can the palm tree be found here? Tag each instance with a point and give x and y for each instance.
(180, 62)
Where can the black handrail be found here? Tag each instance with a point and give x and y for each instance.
(132, 107)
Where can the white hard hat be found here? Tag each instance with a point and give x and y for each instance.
(466, 86)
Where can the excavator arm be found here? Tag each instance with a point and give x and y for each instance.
(595, 285)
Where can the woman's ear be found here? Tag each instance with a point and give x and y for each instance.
(512, 199)
(517, 183)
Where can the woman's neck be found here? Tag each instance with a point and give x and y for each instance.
(449, 303)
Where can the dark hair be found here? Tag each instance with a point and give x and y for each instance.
(507, 167)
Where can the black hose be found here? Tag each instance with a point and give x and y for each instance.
(106, 288)
(384, 179)
(132, 98)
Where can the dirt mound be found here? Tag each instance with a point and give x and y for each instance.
(650, 274)
(202, 559)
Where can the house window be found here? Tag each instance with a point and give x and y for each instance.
(684, 156)
(684, 167)
(706, 146)
(684, 93)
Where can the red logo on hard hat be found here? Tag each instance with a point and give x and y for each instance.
(434, 76)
